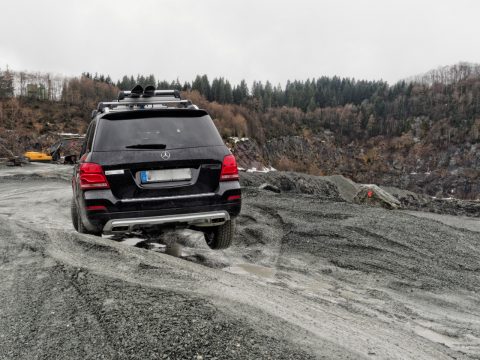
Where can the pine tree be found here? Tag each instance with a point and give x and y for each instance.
(240, 93)
(6, 84)
(150, 80)
(205, 87)
(312, 105)
(163, 85)
(228, 93)
(124, 84)
(267, 96)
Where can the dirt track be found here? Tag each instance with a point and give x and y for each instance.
(310, 276)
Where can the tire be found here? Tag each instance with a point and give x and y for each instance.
(70, 159)
(221, 236)
(77, 221)
(80, 227)
(74, 214)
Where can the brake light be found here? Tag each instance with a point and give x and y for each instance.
(229, 169)
(234, 197)
(92, 177)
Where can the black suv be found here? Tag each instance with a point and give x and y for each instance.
(152, 160)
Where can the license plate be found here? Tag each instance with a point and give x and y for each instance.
(165, 175)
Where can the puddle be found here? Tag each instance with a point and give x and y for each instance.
(251, 269)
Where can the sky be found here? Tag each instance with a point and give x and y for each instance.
(261, 40)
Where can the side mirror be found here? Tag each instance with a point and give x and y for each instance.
(94, 113)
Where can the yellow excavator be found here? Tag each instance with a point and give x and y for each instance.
(65, 150)
(37, 156)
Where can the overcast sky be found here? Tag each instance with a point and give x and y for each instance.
(252, 39)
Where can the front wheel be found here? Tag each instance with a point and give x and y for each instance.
(220, 237)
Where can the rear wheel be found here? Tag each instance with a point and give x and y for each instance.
(220, 237)
(77, 221)
(74, 214)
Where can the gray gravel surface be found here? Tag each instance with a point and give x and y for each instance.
(309, 276)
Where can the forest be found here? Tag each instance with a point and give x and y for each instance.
(422, 133)
(444, 103)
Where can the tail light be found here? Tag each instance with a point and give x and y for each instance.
(229, 169)
(92, 177)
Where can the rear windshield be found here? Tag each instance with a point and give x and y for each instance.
(172, 132)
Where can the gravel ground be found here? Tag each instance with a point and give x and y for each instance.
(310, 276)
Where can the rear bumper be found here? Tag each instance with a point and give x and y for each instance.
(212, 218)
(205, 209)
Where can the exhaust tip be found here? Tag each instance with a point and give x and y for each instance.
(218, 220)
(120, 229)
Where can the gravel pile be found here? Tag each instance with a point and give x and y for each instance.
(295, 183)
(339, 188)
(310, 275)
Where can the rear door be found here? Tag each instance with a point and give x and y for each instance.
(152, 154)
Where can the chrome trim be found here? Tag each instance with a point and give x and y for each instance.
(166, 198)
(114, 172)
(200, 219)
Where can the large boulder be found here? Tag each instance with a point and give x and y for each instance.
(373, 195)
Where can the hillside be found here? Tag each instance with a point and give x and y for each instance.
(422, 134)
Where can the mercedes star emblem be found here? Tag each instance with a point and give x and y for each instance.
(165, 155)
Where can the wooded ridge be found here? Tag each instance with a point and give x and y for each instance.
(369, 129)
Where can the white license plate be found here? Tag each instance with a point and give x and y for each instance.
(165, 175)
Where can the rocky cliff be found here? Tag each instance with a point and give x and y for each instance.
(404, 162)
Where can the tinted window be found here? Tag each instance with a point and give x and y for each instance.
(173, 132)
(87, 143)
(91, 132)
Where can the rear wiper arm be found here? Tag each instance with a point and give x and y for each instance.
(146, 146)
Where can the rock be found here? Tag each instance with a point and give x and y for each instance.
(293, 182)
(346, 187)
(375, 196)
(270, 187)
(16, 161)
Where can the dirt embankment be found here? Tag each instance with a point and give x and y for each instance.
(339, 188)
(310, 275)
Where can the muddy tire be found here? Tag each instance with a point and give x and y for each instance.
(77, 221)
(221, 236)
(74, 214)
(80, 227)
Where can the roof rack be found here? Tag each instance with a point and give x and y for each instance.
(148, 92)
(138, 98)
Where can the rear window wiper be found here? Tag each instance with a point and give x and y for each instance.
(146, 146)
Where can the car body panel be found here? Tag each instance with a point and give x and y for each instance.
(129, 198)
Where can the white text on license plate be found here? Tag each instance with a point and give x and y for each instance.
(165, 175)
